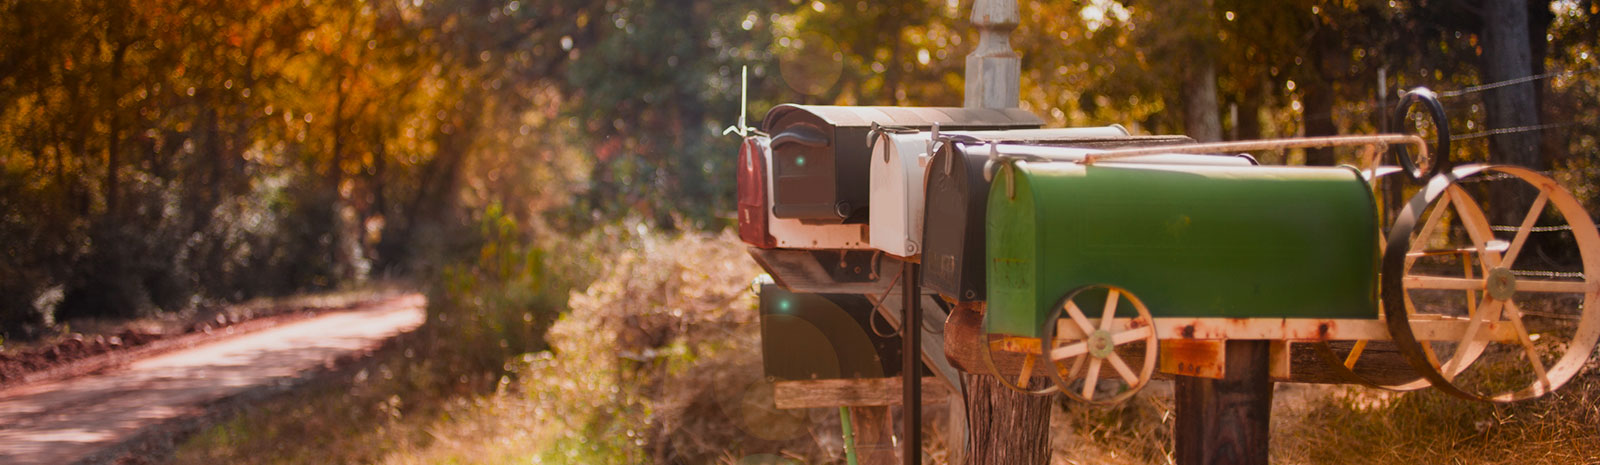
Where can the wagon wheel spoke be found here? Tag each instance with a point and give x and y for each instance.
(1122, 369)
(1466, 270)
(1476, 224)
(1526, 227)
(1091, 378)
(1417, 281)
(1427, 230)
(1355, 353)
(1077, 317)
(1027, 371)
(1427, 350)
(1070, 350)
(1110, 311)
(1523, 338)
(1132, 335)
(1465, 348)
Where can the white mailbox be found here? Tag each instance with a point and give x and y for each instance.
(899, 167)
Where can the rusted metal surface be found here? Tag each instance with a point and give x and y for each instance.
(1194, 357)
(1301, 329)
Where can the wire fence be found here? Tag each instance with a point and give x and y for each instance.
(1379, 105)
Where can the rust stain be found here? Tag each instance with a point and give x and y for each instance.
(1188, 331)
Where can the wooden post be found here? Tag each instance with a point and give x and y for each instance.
(994, 71)
(1005, 427)
(874, 436)
(1225, 421)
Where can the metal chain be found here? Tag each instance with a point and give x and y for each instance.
(1549, 274)
(1537, 229)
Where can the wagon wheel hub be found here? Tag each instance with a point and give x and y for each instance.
(1100, 343)
(1501, 284)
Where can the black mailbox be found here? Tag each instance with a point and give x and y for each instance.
(823, 336)
(957, 198)
(820, 153)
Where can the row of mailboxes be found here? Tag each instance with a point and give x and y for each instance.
(820, 153)
(1191, 241)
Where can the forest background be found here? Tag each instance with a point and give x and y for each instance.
(161, 155)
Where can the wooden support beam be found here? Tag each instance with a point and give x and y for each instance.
(866, 392)
(1225, 421)
(874, 428)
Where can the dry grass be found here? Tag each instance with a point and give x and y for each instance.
(658, 362)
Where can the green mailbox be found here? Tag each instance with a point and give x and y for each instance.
(1190, 241)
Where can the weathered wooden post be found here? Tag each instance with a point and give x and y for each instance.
(1003, 427)
(1225, 421)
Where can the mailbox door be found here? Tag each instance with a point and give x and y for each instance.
(803, 162)
(1190, 241)
(952, 256)
(822, 336)
(896, 201)
(753, 205)
(790, 233)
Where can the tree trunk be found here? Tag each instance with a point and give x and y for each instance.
(1200, 118)
(1318, 119)
(1005, 427)
(1507, 55)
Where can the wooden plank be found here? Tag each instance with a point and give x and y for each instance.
(1225, 421)
(1380, 362)
(866, 392)
(1279, 361)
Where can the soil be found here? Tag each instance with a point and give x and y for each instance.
(15, 367)
(105, 345)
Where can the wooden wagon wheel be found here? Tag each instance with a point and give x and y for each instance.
(1529, 328)
(1014, 346)
(1096, 341)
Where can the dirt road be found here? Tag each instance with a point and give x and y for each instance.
(66, 421)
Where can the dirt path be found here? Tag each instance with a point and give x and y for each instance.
(65, 421)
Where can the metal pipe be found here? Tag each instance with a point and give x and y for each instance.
(1378, 140)
(911, 364)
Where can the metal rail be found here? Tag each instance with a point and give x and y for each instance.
(1380, 141)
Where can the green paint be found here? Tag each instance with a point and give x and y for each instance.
(1190, 241)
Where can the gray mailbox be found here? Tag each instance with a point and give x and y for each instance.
(820, 153)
